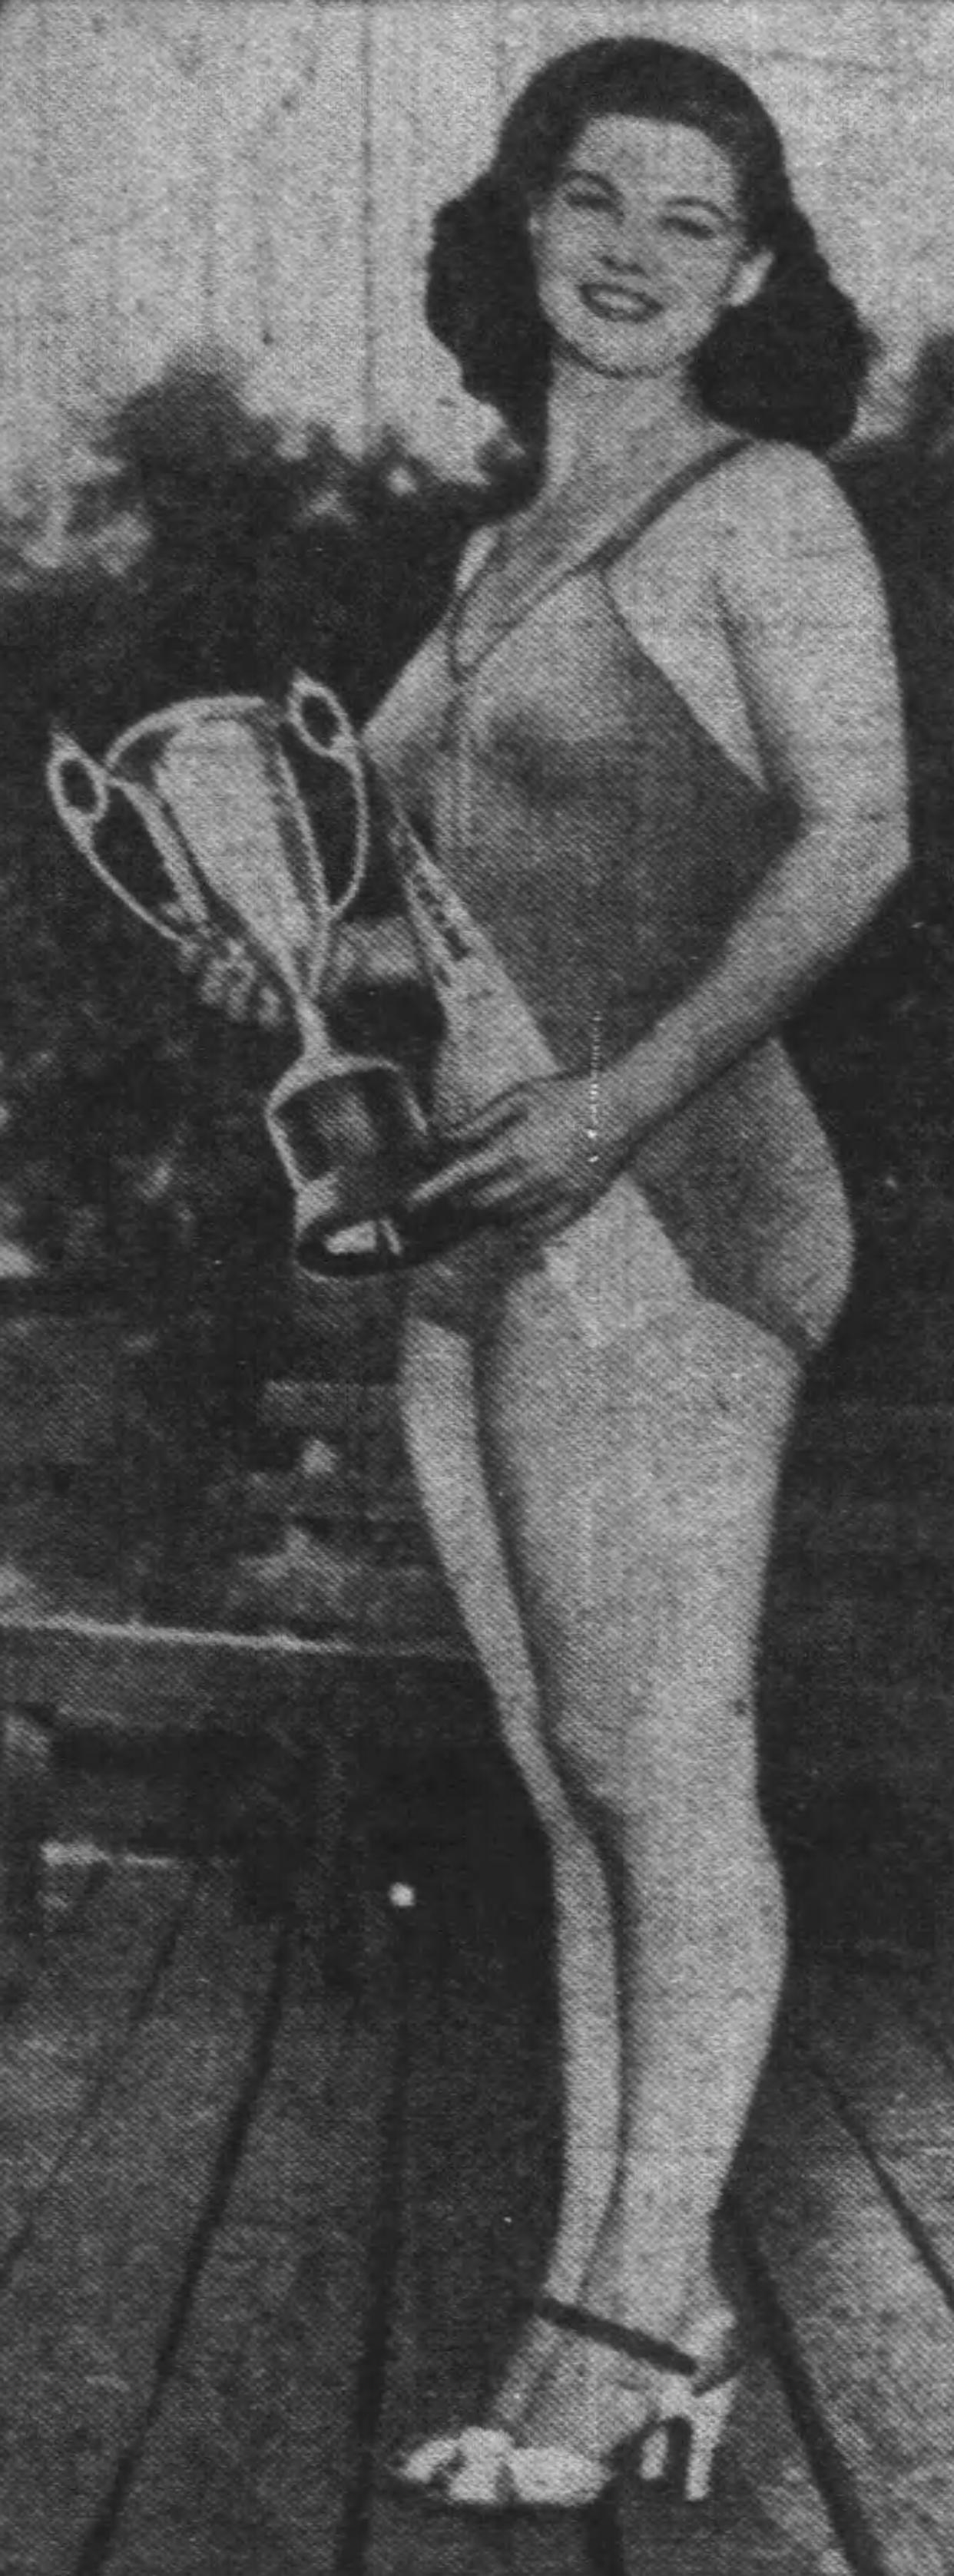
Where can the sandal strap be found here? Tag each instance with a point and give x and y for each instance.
(628, 2339)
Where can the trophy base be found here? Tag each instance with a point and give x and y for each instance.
(391, 1240)
(355, 1142)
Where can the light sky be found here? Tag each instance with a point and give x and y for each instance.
(262, 173)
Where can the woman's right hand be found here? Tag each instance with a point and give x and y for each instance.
(225, 975)
(364, 956)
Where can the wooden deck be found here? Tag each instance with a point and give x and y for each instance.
(273, 2180)
(259, 2224)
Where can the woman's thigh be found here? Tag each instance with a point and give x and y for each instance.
(635, 1486)
(438, 1405)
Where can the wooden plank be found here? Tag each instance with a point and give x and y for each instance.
(893, 2085)
(865, 2332)
(929, 1998)
(256, 2448)
(90, 2313)
(767, 2516)
(25, 1765)
(101, 1666)
(479, 2196)
(93, 1984)
(480, 2171)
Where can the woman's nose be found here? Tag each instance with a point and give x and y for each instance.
(628, 246)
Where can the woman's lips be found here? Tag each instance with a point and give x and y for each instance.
(620, 303)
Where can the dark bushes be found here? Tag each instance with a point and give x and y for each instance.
(133, 1141)
(133, 1153)
(133, 1110)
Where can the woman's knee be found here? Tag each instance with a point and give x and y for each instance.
(437, 1400)
(685, 1830)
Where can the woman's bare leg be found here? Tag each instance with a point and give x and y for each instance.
(438, 1409)
(637, 1487)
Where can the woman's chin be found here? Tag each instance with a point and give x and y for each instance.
(621, 361)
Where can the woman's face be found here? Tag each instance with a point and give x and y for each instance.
(640, 247)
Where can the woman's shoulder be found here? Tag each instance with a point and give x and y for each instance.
(776, 495)
(764, 521)
(778, 468)
(784, 527)
(751, 503)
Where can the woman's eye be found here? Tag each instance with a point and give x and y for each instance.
(590, 198)
(687, 225)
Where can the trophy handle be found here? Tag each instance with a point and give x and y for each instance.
(82, 822)
(334, 740)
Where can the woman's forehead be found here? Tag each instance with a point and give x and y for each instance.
(649, 152)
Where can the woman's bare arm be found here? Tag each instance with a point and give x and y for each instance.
(806, 621)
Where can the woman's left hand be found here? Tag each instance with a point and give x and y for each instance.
(533, 1159)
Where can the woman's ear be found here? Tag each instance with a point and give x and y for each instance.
(750, 277)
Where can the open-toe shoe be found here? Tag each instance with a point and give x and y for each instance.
(483, 2471)
(696, 2384)
(486, 2470)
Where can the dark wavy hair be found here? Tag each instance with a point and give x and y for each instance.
(790, 364)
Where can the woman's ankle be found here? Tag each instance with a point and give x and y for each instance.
(652, 2273)
(585, 2203)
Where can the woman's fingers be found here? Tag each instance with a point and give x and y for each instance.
(227, 979)
(491, 1180)
(191, 949)
(227, 983)
(496, 1119)
(460, 1178)
(241, 985)
(272, 1010)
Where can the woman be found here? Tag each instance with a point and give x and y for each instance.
(655, 744)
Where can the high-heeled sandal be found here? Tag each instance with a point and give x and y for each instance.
(486, 2470)
(698, 2385)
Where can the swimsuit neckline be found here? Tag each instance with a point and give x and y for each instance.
(592, 550)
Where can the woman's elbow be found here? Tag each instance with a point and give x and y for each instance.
(861, 854)
(872, 839)
(888, 837)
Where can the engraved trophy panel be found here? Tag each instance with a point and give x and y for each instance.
(212, 787)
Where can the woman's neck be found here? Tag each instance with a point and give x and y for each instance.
(605, 422)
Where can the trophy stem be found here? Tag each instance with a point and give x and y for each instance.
(350, 1134)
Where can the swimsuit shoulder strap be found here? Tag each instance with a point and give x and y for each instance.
(589, 553)
(626, 533)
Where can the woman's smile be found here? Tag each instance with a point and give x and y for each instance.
(639, 246)
(623, 303)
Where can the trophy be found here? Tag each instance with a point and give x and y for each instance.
(224, 844)
(211, 833)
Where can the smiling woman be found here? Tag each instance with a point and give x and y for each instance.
(262, 174)
(716, 242)
(640, 247)
(655, 743)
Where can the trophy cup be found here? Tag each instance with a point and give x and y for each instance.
(224, 844)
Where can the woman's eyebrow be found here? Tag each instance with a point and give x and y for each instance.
(601, 179)
(597, 178)
(702, 206)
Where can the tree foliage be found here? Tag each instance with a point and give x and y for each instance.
(205, 557)
(133, 1149)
